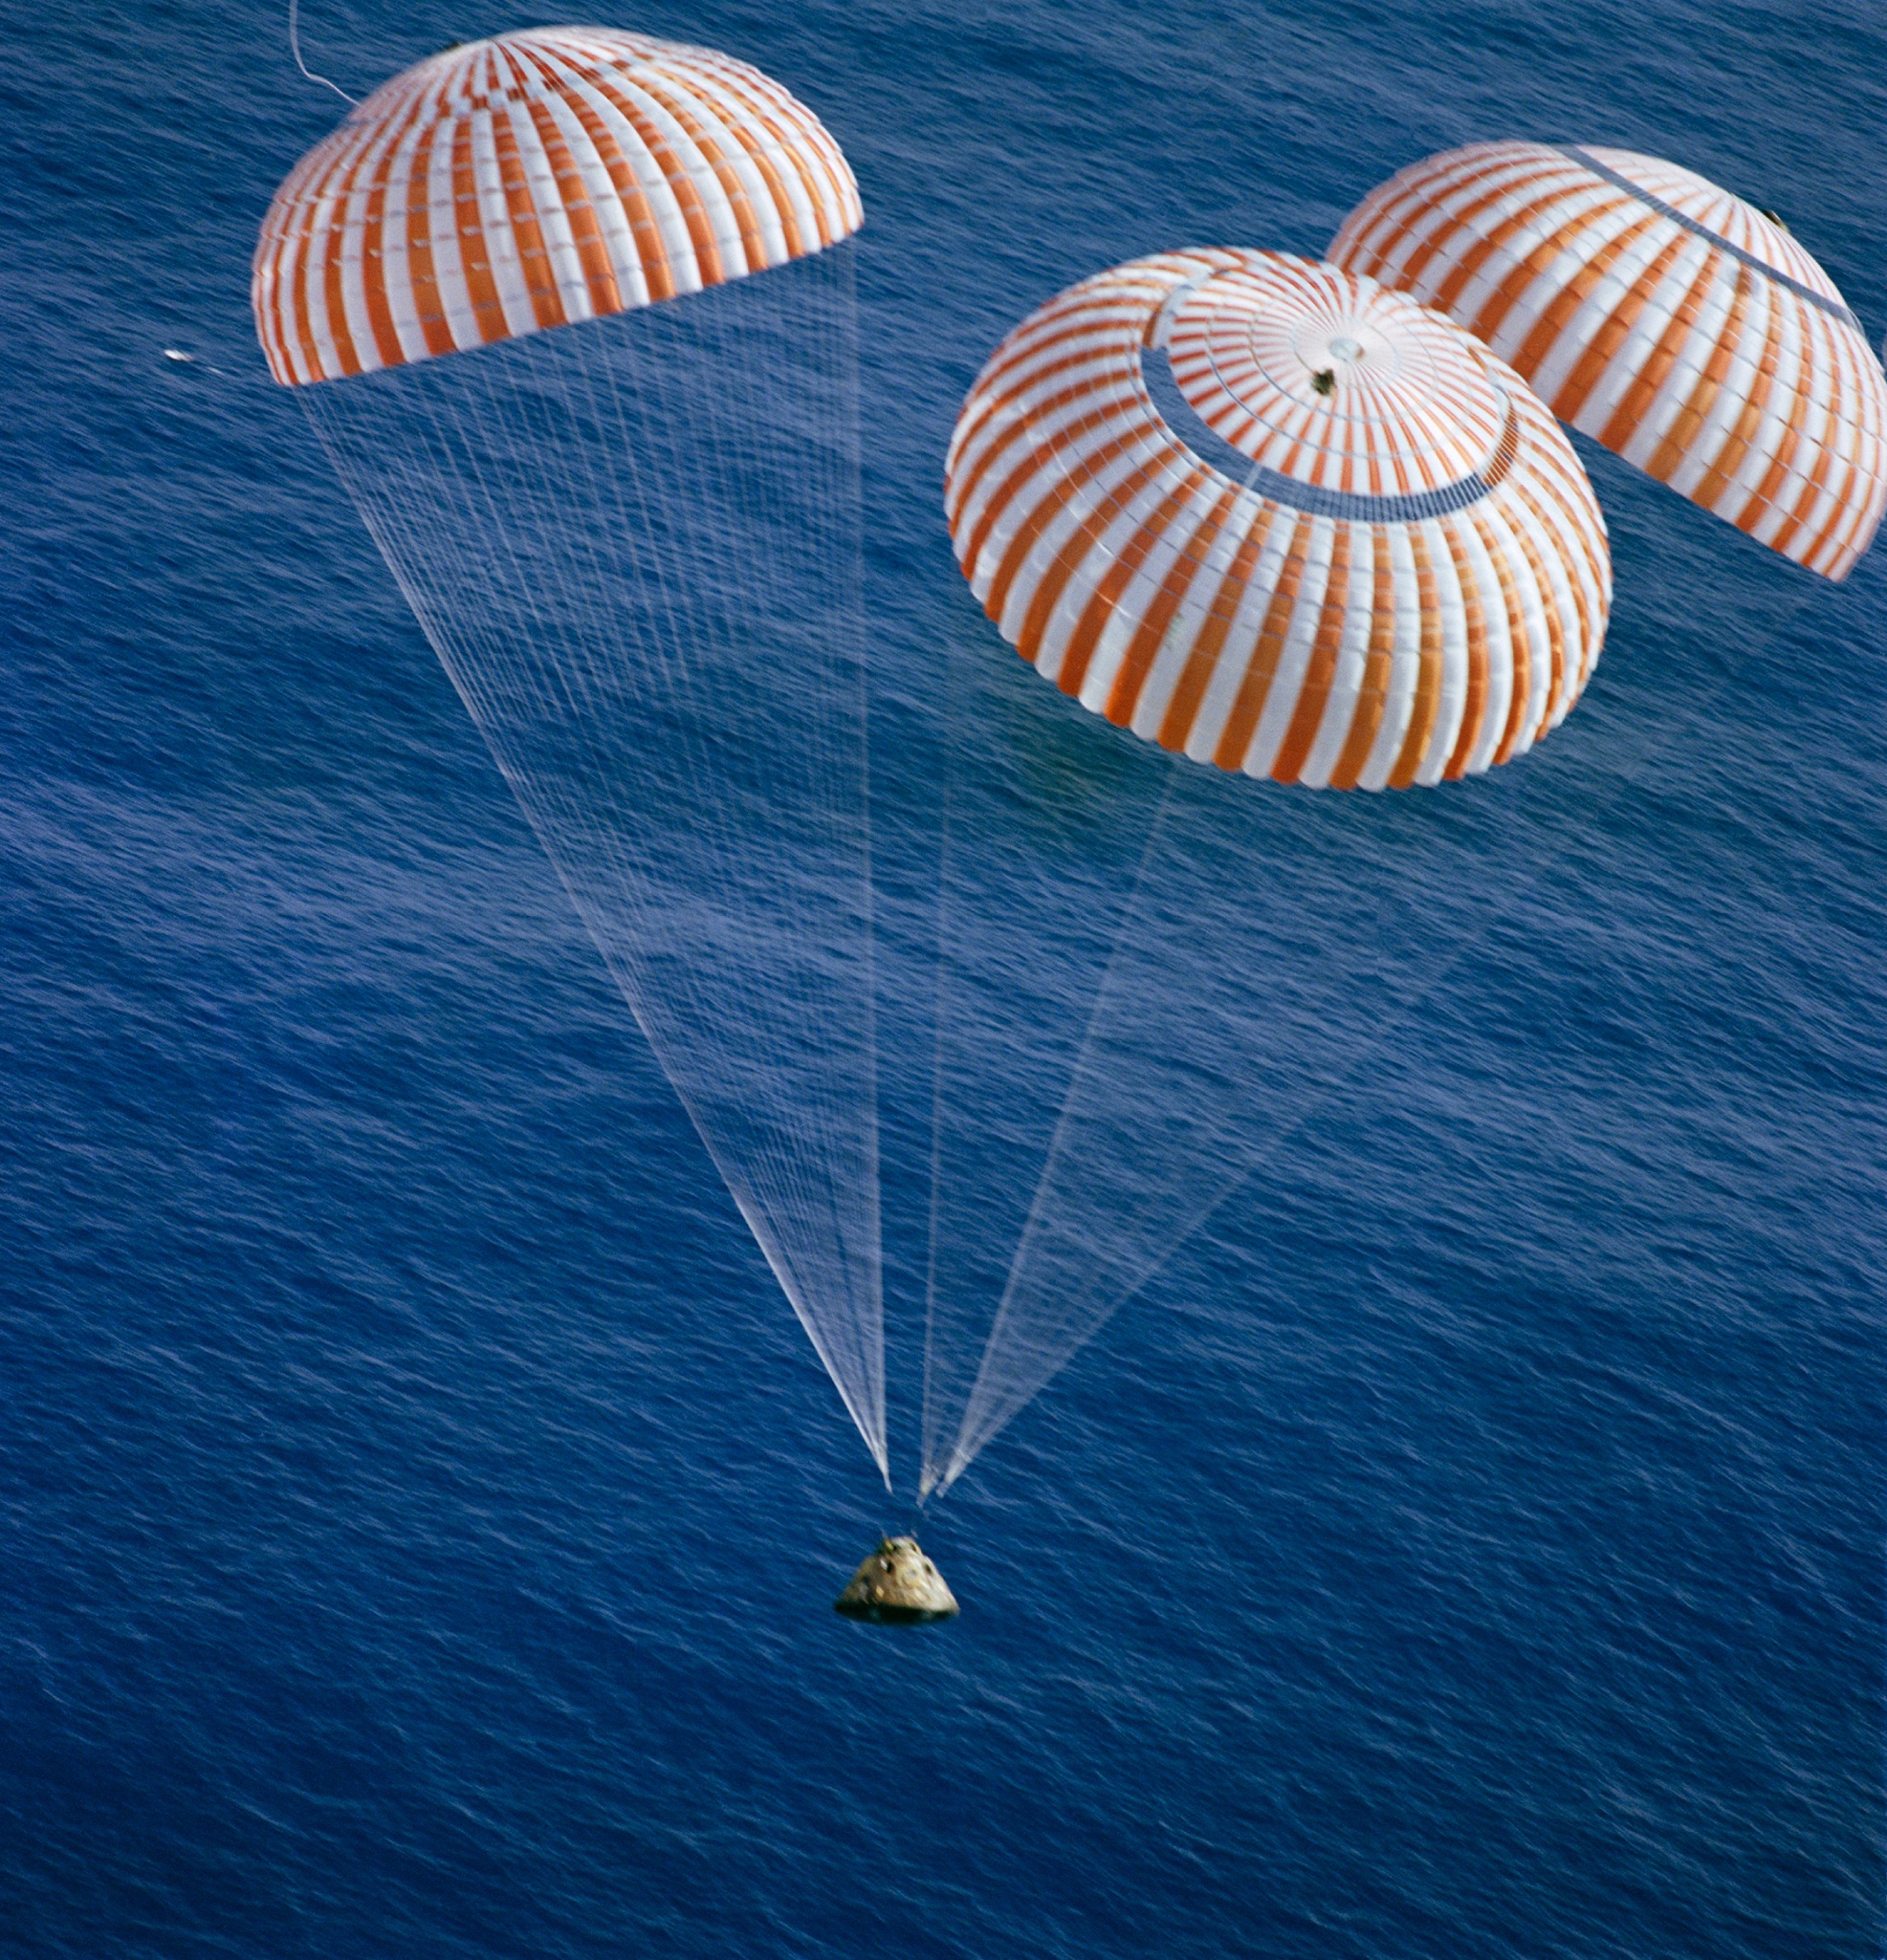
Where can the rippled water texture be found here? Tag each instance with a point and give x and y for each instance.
(419, 1510)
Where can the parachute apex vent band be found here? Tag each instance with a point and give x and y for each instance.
(1180, 417)
(1829, 302)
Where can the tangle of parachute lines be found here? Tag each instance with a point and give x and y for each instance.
(634, 544)
(1190, 1081)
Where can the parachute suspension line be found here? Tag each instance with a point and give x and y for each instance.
(938, 1474)
(840, 361)
(839, 451)
(1084, 1062)
(737, 1185)
(933, 1417)
(839, 768)
(1044, 1320)
(295, 49)
(831, 770)
(1043, 827)
(652, 618)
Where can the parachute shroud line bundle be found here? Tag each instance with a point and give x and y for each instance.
(634, 544)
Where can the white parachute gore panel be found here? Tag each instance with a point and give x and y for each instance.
(534, 180)
(1366, 559)
(1684, 329)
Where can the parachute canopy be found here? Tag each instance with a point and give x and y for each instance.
(543, 178)
(1682, 328)
(1344, 547)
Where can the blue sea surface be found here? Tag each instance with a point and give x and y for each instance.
(419, 1511)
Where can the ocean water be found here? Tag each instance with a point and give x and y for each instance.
(419, 1511)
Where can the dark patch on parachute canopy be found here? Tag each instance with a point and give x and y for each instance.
(897, 1586)
(1774, 218)
(1043, 762)
(1324, 381)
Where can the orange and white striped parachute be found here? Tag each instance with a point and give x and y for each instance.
(537, 179)
(1389, 568)
(1682, 328)
(633, 546)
